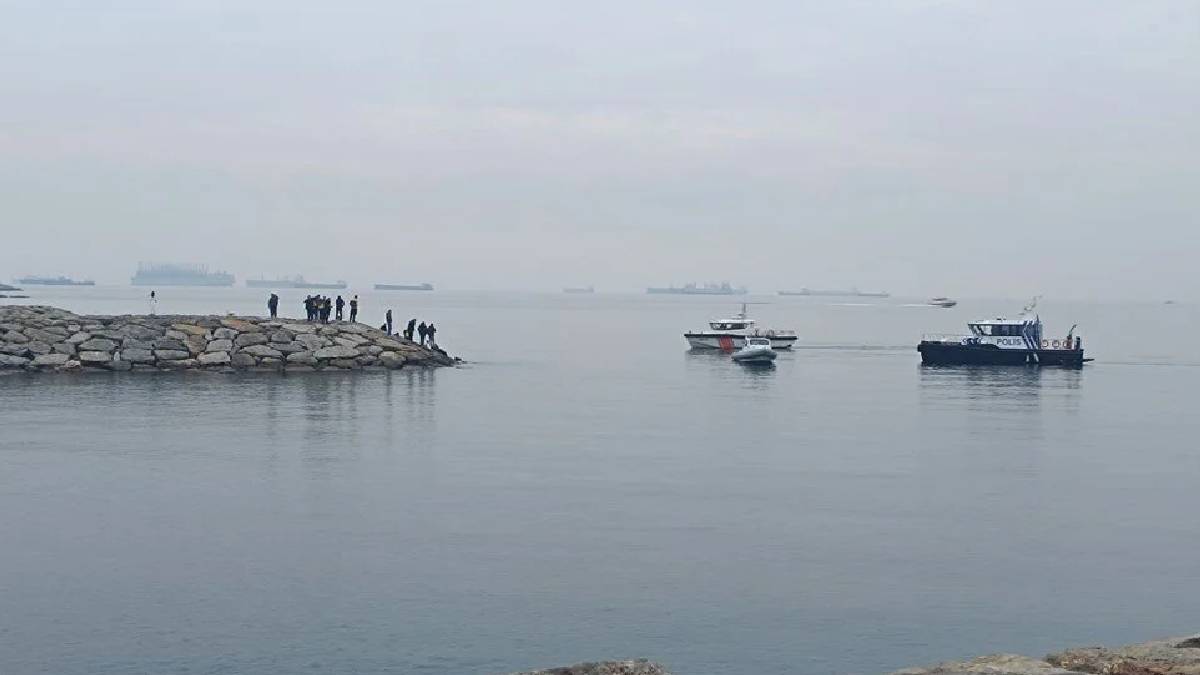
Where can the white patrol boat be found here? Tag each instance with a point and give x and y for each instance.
(757, 350)
(1003, 342)
(730, 334)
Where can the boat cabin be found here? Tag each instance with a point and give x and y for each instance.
(740, 323)
(1003, 327)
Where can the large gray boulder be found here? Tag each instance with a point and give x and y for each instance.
(302, 358)
(219, 346)
(38, 348)
(93, 358)
(51, 360)
(213, 358)
(310, 341)
(168, 343)
(190, 329)
(336, 352)
(98, 345)
(171, 354)
(242, 360)
(12, 361)
(263, 351)
(137, 355)
(248, 339)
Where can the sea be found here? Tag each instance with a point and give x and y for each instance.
(585, 488)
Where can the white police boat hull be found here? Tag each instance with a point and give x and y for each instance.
(755, 353)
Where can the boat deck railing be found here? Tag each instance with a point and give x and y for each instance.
(758, 332)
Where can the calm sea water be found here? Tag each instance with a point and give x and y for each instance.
(586, 488)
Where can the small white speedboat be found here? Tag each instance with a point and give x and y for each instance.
(943, 302)
(756, 350)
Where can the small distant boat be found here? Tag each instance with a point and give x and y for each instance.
(852, 293)
(693, 289)
(756, 350)
(580, 290)
(942, 302)
(404, 287)
(6, 287)
(54, 281)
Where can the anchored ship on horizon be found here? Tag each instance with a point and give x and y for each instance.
(53, 281)
(296, 281)
(175, 274)
(692, 289)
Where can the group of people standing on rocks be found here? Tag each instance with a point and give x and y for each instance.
(426, 332)
(319, 308)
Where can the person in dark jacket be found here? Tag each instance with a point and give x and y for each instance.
(339, 305)
(412, 326)
(308, 308)
(326, 310)
(273, 305)
(422, 331)
(388, 322)
(431, 331)
(354, 309)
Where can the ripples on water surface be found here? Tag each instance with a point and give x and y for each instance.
(587, 488)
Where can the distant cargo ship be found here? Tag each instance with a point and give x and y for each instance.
(293, 282)
(404, 287)
(852, 293)
(171, 274)
(580, 290)
(54, 281)
(693, 289)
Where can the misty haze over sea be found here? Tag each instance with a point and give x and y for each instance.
(925, 148)
(583, 486)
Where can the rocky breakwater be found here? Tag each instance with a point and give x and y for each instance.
(38, 338)
(1175, 656)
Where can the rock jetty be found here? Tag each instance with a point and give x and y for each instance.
(639, 667)
(40, 338)
(1175, 656)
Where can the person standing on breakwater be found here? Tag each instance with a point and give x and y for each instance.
(432, 330)
(308, 308)
(339, 305)
(412, 326)
(273, 305)
(388, 321)
(326, 310)
(354, 309)
(153, 301)
(422, 331)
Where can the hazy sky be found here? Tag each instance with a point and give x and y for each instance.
(924, 147)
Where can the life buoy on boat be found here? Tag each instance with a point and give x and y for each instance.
(1056, 344)
(1045, 344)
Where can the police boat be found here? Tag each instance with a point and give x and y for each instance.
(1004, 342)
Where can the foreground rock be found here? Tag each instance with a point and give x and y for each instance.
(1177, 656)
(639, 667)
(39, 338)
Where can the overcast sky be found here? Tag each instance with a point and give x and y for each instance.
(924, 147)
